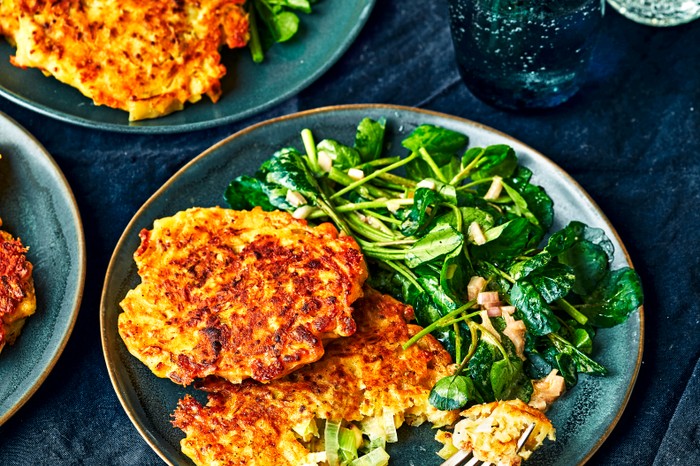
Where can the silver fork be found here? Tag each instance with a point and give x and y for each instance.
(465, 458)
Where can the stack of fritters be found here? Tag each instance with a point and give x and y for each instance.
(146, 57)
(17, 298)
(365, 375)
(239, 294)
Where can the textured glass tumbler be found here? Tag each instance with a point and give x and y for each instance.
(658, 12)
(520, 54)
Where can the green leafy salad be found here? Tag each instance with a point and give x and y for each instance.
(273, 21)
(462, 235)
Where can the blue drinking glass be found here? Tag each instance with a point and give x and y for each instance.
(520, 54)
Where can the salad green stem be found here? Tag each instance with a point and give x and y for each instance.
(368, 191)
(307, 138)
(406, 272)
(468, 169)
(572, 311)
(254, 43)
(431, 163)
(373, 175)
(441, 322)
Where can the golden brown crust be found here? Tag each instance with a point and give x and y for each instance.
(492, 430)
(146, 57)
(360, 376)
(17, 298)
(239, 294)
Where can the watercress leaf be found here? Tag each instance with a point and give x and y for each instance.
(497, 160)
(440, 241)
(480, 216)
(286, 25)
(369, 138)
(553, 281)
(435, 140)
(614, 299)
(538, 317)
(343, 157)
(446, 192)
(454, 392)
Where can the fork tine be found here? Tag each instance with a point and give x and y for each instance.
(465, 458)
(458, 458)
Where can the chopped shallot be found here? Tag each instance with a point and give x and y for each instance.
(488, 298)
(476, 235)
(495, 188)
(475, 286)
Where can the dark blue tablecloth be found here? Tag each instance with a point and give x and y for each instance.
(631, 138)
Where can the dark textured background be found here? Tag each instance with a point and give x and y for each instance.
(631, 138)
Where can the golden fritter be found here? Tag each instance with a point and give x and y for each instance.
(146, 57)
(492, 430)
(368, 375)
(17, 298)
(239, 294)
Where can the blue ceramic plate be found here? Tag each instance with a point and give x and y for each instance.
(37, 205)
(248, 88)
(583, 418)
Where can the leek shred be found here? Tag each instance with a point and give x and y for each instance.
(377, 457)
(331, 441)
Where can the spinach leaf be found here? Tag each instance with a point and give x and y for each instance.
(369, 138)
(504, 241)
(575, 232)
(479, 369)
(614, 299)
(246, 192)
(582, 340)
(421, 212)
(509, 381)
(583, 363)
(456, 271)
(589, 263)
(497, 160)
(533, 309)
(287, 168)
(440, 241)
(435, 140)
(553, 281)
(523, 268)
(419, 169)
(538, 201)
(454, 392)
